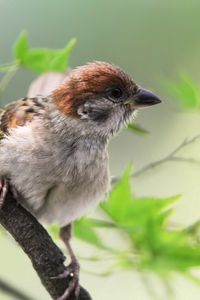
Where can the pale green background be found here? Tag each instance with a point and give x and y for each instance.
(153, 40)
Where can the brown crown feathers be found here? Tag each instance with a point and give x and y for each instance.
(88, 81)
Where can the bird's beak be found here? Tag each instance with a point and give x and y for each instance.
(143, 98)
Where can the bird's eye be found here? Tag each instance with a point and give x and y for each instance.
(115, 93)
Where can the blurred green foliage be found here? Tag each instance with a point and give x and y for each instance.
(42, 60)
(150, 243)
(136, 128)
(185, 91)
(145, 220)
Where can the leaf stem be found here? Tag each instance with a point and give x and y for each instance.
(102, 223)
(194, 279)
(8, 77)
(4, 68)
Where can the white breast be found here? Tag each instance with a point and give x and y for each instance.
(59, 185)
(78, 194)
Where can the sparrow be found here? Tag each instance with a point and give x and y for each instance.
(53, 149)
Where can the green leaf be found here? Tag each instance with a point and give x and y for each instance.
(84, 230)
(42, 60)
(21, 47)
(54, 231)
(124, 208)
(185, 91)
(120, 198)
(145, 222)
(136, 128)
(60, 61)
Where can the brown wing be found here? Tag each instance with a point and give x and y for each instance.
(20, 112)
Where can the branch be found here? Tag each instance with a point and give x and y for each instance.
(8, 289)
(172, 156)
(47, 259)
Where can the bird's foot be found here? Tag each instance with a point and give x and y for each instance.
(72, 273)
(3, 191)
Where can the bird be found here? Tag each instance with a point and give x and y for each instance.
(53, 149)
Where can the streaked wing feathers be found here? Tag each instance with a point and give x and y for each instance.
(20, 112)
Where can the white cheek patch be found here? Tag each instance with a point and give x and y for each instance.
(82, 111)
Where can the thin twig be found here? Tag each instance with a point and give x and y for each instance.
(167, 284)
(172, 156)
(149, 288)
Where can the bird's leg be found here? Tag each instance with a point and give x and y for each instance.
(73, 268)
(3, 191)
(4, 187)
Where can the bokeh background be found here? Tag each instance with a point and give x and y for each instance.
(153, 40)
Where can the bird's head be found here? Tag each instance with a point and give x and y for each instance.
(101, 97)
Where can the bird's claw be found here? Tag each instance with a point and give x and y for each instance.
(3, 191)
(72, 272)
